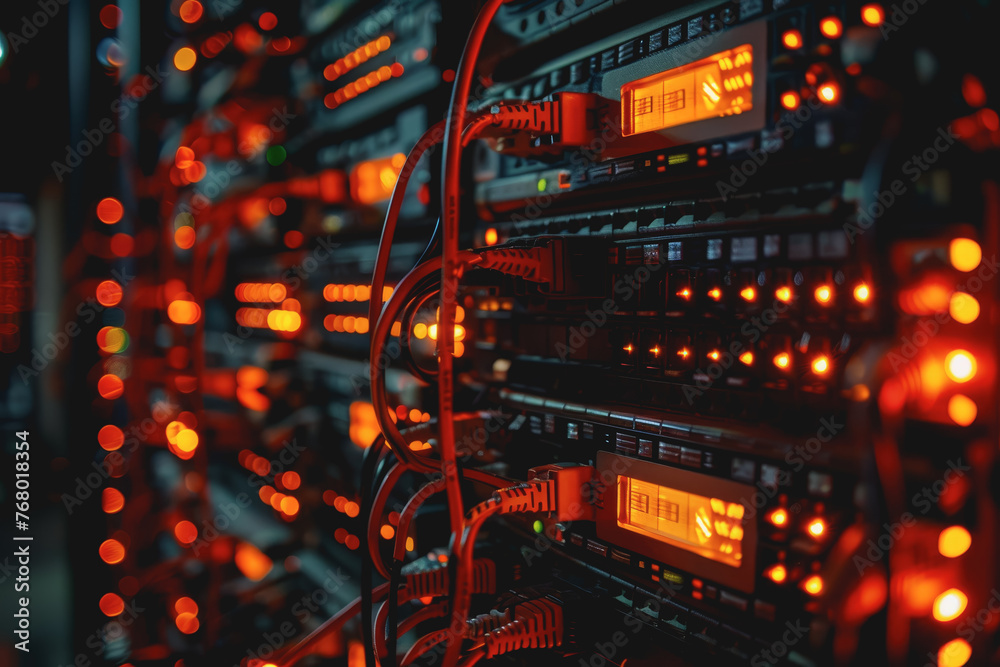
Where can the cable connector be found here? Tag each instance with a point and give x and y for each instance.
(536, 624)
(568, 120)
(542, 263)
(433, 581)
(570, 489)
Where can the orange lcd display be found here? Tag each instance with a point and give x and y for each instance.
(709, 527)
(719, 85)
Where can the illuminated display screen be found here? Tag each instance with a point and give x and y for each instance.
(719, 85)
(709, 527)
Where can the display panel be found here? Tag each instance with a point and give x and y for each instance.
(709, 527)
(719, 85)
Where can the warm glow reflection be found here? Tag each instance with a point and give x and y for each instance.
(954, 541)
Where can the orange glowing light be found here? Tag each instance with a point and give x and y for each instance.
(252, 562)
(954, 541)
(109, 293)
(357, 57)
(683, 353)
(191, 11)
(813, 585)
(187, 623)
(829, 92)
(110, 16)
(110, 386)
(816, 527)
(782, 360)
(685, 294)
(862, 293)
(962, 409)
(823, 294)
(187, 440)
(777, 573)
(715, 294)
(719, 85)
(831, 27)
(954, 654)
(111, 604)
(185, 532)
(352, 509)
(872, 15)
(121, 245)
(112, 500)
(747, 358)
(372, 181)
(363, 427)
(290, 505)
(291, 480)
(387, 532)
(783, 294)
(492, 236)
(112, 551)
(110, 210)
(714, 355)
(790, 100)
(110, 438)
(186, 605)
(182, 311)
(964, 308)
(792, 39)
(964, 254)
(748, 294)
(960, 365)
(778, 517)
(185, 59)
(949, 605)
(821, 365)
(185, 237)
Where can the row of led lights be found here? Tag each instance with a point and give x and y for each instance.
(824, 295)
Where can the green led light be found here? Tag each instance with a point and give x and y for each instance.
(542, 183)
(276, 155)
(539, 526)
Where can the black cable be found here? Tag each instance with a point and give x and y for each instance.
(393, 601)
(368, 464)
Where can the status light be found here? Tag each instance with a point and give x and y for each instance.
(960, 365)
(872, 15)
(777, 573)
(715, 294)
(685, 294)
(782, 360)
(817, 527)
(748, 293)
(962, 409)
(954, 654)
(950, 604)
(954, 541)
(790, 100)
(778, 517)
(747, 358)
(821, 365)
(829, 92)
(964, 308)
(792, 39)
(783, 294)
(831, 27)
(862, 293)
(823, 294)
(813, 585)
(964, 254)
